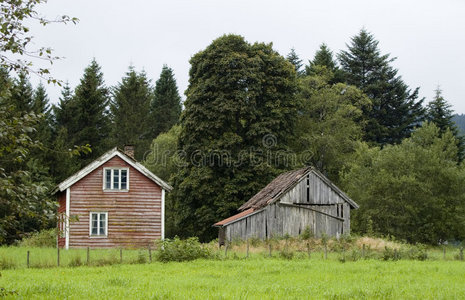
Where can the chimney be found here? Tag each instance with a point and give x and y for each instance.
(129, 151)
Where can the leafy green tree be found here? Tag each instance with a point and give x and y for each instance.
(166, 106)
(330, 124)
(412, 191)
(164, 161)
(294, 59)
(440, 113)
(16, 38)
(396, 111)
(91, 124)
(23, 202)
(130, 112)
(239, 113)
(163, 157)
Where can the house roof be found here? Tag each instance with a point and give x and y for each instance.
(284, 182)
(103, 159)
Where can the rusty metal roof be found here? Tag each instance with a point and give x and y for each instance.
(235, 217)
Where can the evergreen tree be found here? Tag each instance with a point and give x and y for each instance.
(130, 112)
(239, 113)
(43, 133)
(294, 59)
(21, 94)
(440, 113)
(166, 106)
(396, 110)
(324, 65)
(91, 122)
(65, 111)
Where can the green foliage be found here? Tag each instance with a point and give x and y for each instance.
(307, 233)
(416, 184)
(43, 239)
(396, 110)
(182, 250)
(324, 64)
(90, 123)
(166, 105)
(239, 113)
(16, 38)
(130, 112)
(330, 123)
(440, 113)
(294, 59)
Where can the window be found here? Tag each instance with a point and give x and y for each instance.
(98, 223)
(116, 179)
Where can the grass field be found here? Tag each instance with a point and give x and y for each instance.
(253, 278)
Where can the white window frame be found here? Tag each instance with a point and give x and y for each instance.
(98, 235)
(111, 189)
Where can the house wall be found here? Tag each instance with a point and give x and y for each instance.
(330, 214)
(134, 217)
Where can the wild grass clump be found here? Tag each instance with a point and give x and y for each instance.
(182, 250)
(42, 239)
(75, 261)
(6, 264)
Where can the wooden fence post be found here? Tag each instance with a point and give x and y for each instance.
(88, 256)
(150, 254)
(120, 255)
(308, 249)
(461, 253)
(269, 246)
(226, 245)
(58, 256)
(247, 248)
(27, 260)
(444, 252)
(326, 251)
(363, 251)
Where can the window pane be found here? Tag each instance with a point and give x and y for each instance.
(124, 179)
(116, 179)
(108, 179)
(102, 224)
(94, 223)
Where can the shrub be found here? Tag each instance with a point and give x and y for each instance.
(182, 250)
(307, 234)
(286, 254)
(417, 252)
(45, 239)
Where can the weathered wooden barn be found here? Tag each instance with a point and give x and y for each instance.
(112, 202)
(289, 204)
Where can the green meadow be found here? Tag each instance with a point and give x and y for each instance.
(254, 278)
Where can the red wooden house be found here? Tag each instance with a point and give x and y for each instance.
(112, 202)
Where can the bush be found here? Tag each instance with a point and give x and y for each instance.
(182, 250)
(417, 252)
(286, 254)
(45, 239)
(75, 261)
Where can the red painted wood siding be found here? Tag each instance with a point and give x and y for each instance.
(134, 217)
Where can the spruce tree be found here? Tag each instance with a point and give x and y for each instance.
(166, 106)
(239, 113)
(324, 65)
(21, 94)
(130, 112)
(396, 110)
(294, 59)
(440, 113)
(92, 124)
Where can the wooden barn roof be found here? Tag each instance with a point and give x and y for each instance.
(284, 182)
(103, 159)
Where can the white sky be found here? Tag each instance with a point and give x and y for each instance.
(427, 37)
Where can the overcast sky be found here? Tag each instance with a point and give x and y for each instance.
(427, 37)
